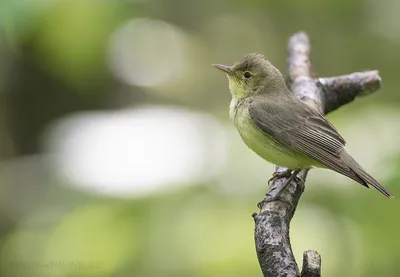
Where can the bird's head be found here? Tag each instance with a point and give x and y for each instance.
(252, 75)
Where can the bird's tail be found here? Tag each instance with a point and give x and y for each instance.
(363, 177)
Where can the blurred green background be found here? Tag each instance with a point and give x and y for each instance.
(117, 157)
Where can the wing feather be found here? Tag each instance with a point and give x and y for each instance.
(307, 131)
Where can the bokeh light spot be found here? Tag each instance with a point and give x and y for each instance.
(147, 53)
(135, 152)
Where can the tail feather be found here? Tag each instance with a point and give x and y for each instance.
(368, 179)
(363, 177)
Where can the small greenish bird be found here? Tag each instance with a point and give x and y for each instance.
(282, 129)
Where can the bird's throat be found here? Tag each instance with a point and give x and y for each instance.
(237, 90)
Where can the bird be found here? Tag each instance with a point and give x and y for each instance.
(282, 129)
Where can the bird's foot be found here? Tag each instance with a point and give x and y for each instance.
(272, 198)
(276, 196)
(279, 174)
(299, 180)
(287, 173)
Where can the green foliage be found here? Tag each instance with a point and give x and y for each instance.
(58, 58)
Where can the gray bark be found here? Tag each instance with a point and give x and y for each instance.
(272, 239)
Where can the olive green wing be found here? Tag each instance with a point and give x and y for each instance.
(301, 128)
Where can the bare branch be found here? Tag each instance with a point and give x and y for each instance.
(340, 90)
(298, 61)
(299, 70)
(311, 264)
(271, 233)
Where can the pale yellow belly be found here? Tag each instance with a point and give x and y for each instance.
(269, 149)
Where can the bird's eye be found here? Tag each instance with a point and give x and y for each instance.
(247, 75)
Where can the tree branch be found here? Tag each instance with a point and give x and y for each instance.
(338, 91)
(271, 233)
(311, 264)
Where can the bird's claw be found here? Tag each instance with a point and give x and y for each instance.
(276, 175)
(272, 198)
(299, 180)
(287, 173)
(291, 175)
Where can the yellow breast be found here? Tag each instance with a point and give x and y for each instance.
(262, 144)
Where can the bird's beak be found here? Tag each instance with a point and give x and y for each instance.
(224, 68)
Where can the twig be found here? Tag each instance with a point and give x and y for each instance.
(271, 233)
(311, 264)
